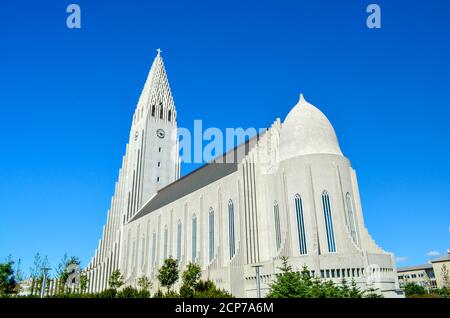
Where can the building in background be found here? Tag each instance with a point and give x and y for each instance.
(288, 192)
(422, 275)
(435, 274)
(441, 268)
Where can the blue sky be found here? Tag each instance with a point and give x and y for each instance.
(67, 98)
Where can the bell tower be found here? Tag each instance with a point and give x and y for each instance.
(152, 152)
(151, 162)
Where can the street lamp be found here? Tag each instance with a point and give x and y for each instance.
(44, 281)
(258, 281)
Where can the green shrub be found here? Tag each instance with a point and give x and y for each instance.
(443, 292)
(144, 293)
(293, 284)
(128, 292)
(171, 294)
(158, 294)
(186, 291)
(414, 290)
(107, 293)
(207, 289)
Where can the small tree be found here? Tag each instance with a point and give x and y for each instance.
(62, 270)
(37, 274)
(144, 285)
(287, 284)
(35, 270)
(355, 292)
(372, 293)
(191, 277)
(414, 290)
(116, 280)
(18, 271)
(168, 273)
(445, 276)
(7, 280)
(83, 282)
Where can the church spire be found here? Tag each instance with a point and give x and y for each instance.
(156, 89)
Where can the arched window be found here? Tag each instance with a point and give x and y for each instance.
(328, 222)
(179, 240)
(276, 216)
(153, 111)
(351, 218)
(166, 241)
(194, 238)
(161, 112)
(142, 253)
(231, 235)
(211, 234)
(169, 115)
(300, 224)
(153, 248)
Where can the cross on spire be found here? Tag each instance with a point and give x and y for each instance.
(159, 51)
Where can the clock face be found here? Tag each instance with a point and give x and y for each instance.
(160, 133)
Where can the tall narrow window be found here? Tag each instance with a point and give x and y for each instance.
(194, 238)
(351, 218)
(133, 254)
(153, 248)
(143, 253)
(179, 241)
(328, 222)
(211, 234)
(276, 215)
(300, 224)
(161, 112)
(231, 237)
(166, 241)
(153, 111)
(169, 116)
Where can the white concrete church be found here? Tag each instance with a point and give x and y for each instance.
(286, 192)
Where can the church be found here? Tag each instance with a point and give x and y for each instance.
(287, 192)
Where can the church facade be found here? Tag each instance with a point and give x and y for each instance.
(288, 191)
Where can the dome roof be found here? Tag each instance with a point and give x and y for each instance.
(307, 131)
